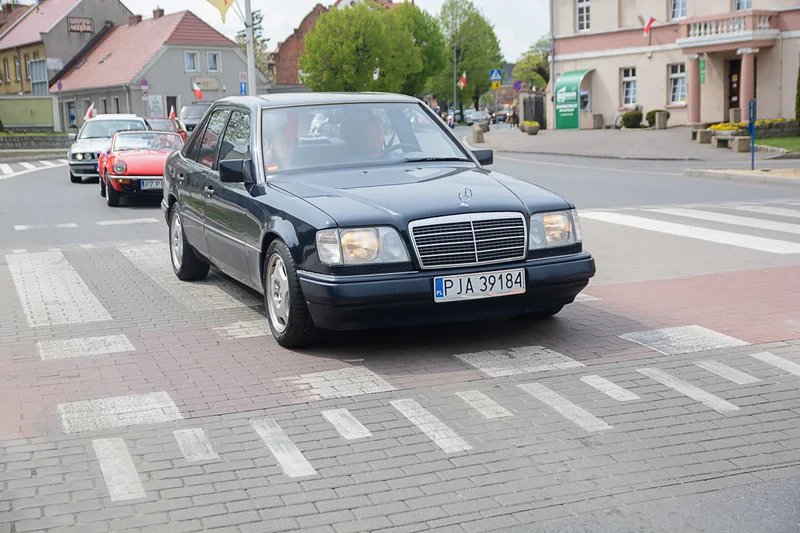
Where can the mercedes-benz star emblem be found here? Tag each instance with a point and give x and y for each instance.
(465, 195)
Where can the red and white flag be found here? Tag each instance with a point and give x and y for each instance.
(90, 113)
(197, 92)
(463, 81)
(647, 22)
(172, 112)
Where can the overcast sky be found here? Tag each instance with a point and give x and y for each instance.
(518, 23)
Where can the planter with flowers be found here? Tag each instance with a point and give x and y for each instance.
(531, 127)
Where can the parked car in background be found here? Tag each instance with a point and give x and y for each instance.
(135, 164)
(192, 114)
(476, 117)
(391, 223)
(94, 138)
(174, 125)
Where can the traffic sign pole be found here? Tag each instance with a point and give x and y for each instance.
(497, 79)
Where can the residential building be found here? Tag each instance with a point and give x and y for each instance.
(47, 35)
(701, 59)
(149, 66)
(10, 12)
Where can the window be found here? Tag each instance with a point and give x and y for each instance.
(236, 142)
(27, 67)
(210, 141)
(104, 105)
(36, 55)
(677, 84)
(677, 9)
(214, 62)
(115, 104)
(190, 59)
(584, 22)
(741, 5)
(629, 86)
(5, 66)
(16, 68)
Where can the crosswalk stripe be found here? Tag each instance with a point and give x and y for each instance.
(84, 347)
(5, 168)
(28, 166)
(119, 472)
(346, 424)
(761, 244)
(46, 163)
(289, 456)
(127, 221)
(687, 389)
(515, 361)
(585, 298)
(118, 411)
(683, 339)
(733, 220)
(441, 435)
(484, 405)
(778, 211)
(64, 161)
(727, 372)
(19, 251)
(778, 362)
(609, 388)
(572, 412)
(194, 445)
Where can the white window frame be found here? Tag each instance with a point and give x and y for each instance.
(104, 106)
(7, 70)
(677, 79)
(742, 5)
(219, 61)
(17, 67)
(583, 7)
(27, 67)
(628, 76)
(115, 103)
(196, 55)
(677, 9)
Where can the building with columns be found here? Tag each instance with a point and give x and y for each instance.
(701, 59)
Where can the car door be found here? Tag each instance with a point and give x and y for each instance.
(226, 203)
(192, 178)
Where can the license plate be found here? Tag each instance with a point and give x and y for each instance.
(483, 285)
(151, 184)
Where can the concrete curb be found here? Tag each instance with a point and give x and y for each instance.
(736, 176)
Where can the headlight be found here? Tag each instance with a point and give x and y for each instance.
(87, 156)
(361, 246)
(549, 230)
(120, 167)
(77, 156)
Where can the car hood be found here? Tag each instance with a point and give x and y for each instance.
(143, 163)
(91, 145)
(399, 194)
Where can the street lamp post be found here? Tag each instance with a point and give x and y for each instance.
(455, 74)
(252, 88)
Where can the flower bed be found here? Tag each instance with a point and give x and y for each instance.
(765, 128)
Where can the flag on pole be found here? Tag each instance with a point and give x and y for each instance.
(647, 21)
(90, 113)
(198, 93)
(222, 6)
(463, 81)
(172, 112)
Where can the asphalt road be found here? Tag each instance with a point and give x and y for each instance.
(667, 399)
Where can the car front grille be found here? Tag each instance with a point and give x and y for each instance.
(465, 240)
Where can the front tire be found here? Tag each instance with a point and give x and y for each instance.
(185, 263)
(289, 320)
(102, 188)
(112, 197)
(74, 179)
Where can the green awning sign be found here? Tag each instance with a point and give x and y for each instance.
(567, 98)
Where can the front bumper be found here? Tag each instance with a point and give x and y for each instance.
(133, 185)
(406, 299)
(84, 168)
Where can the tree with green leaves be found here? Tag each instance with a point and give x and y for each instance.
(427, 36)
(533, 67)
(259, 43)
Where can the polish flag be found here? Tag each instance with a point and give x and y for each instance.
(647, 21)
(172, 112)
(463, 81)
(197, 92)
(90, 113)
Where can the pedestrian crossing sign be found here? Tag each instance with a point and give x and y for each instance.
(496, 75)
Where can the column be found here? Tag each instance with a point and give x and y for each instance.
(747, 90)
(693, 87)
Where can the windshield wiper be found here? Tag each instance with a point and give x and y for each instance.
(427, 159)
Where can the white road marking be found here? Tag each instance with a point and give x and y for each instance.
(154, 261)
(484, 405)
(54, 249)
(122, 479)
(26, 227)
(609, 388)
(126, 221)
(346, 424)
(585, 298)
(245, 330)
(683, 339)
(441, 435)
(769, 210)
(733, 220)
(118, 411)
(194, 445)
(778, 362)
(84, 347)
(153, 241)
(524, 360)
(46, 163)
(580, 416)
(87, 246)
(51, 291)
(727, 372)
(19, 251)
(63, 161)
(761, 244)
(28, 166)
(289, 456)
(341, 383)
(67, 225)
(20, 173)
(687, 389)
(5, 168)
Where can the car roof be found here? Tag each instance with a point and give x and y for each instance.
(116, 116)
(299, 99)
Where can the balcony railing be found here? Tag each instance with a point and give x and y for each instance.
(728, 24)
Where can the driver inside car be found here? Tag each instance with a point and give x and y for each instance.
(366, 141)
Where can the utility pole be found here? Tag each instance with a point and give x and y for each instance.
(252, 81)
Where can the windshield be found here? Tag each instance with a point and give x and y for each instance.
(333, 135)
(104, 129)
(149, 140)
(161, 124)
(194, 111)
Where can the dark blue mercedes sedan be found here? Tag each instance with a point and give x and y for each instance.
(362, 210)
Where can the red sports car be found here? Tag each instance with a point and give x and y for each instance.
(135, 164)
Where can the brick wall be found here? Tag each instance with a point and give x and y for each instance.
(291, 49)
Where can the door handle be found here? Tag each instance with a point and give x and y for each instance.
(208, 190)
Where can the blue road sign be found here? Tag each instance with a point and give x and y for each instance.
(518, 85)
(752, 128)
(243, 88)
(495, 75)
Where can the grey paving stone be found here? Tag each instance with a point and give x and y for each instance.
(230, 519)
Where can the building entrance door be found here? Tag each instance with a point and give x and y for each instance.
(734, 82)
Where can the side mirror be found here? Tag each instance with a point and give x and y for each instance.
(484, 157)
(237, 171)
(72, 136)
